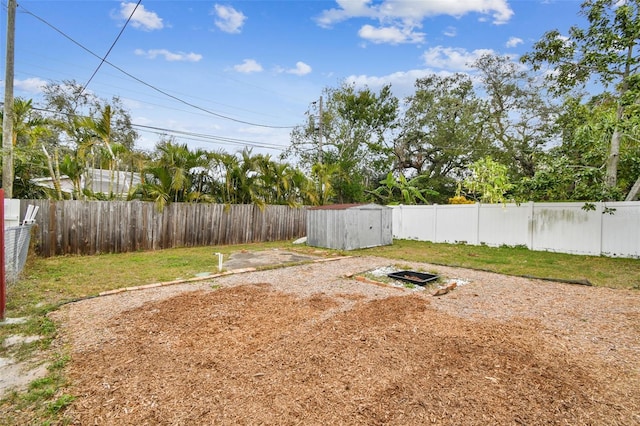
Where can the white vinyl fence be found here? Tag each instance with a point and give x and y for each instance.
(611, 229)
(11, 212)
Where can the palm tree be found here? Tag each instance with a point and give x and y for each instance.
(324, 175)
(27, 125)
(246, 178)
(303, 190)
(136, 162)
(182, 165)
(101, 136)
(73, 168)
(220, 166)
(29, 128)
(158, 187)
(280, 183)
(177, 174)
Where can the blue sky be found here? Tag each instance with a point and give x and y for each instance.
(256, 65)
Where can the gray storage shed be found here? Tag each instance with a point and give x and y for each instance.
(349, 226)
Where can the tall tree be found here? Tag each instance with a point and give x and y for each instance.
(443, 130)
(520, 118)
(29, 128)
(355, 128)
(606, 51)
(86, 124)
(107, 144)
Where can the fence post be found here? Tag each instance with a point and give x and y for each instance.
(435, 223)
(600, 210)
(476, 233)
(396, 220)
(400, 211)
(531, 225)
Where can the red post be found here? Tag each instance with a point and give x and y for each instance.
(3, 282)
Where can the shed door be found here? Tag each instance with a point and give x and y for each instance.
(369, 224)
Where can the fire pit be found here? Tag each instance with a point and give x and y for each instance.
(413, 277)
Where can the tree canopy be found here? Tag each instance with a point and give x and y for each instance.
(605, 52)
(561, 124)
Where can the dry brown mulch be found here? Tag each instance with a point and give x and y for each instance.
(252, 354)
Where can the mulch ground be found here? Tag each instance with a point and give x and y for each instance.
(251, 354)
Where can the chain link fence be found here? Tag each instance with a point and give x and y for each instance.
(16, 248)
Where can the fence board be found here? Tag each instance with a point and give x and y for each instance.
(92, 227)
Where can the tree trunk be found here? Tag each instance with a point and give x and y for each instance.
(611, 179)
(634, 191)
(54, 178)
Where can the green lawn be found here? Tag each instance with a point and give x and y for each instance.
(600, 271)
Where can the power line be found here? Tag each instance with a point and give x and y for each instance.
(130, 91)
(148, 84)
(202, 137)
(110, 49)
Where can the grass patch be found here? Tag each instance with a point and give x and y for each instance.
(50, 281)
(600, 271)
(59, 404)
(44, 401)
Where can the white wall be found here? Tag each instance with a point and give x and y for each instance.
(612, 229)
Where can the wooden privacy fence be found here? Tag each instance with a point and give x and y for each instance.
(91, 227)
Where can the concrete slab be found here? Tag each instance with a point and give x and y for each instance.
(253, 259)
(9, 321)
(17, 375)
(15, 340)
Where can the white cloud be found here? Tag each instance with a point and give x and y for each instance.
(30, 85)
(452, 58)
(300, 69)
(450, 31)
(142, 120)
(132, 104)
(412, 12)
(168, 55)
(391, 35)
(141, 18)
(248, 66)
(228, 19)
(347, 9)
(402, 83)
(400, 79)
(514, 41)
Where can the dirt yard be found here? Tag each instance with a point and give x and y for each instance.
(306, 345)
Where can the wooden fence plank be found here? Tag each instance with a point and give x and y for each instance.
(91, 227)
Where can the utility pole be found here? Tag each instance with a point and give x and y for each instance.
(320, 132)
(7, 121)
